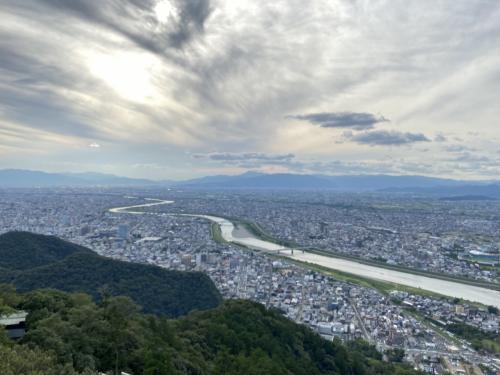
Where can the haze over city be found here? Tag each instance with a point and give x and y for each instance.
(177, 89)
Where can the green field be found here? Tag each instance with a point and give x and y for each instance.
(216, 233)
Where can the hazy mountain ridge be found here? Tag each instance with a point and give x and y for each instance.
(11, 178)
(341, 182)
(260, 180)
(20, 178)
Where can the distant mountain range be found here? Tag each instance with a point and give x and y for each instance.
(20, 178)
(470, 190)
(297, 181)
(255, 180)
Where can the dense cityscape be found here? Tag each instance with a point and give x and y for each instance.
(416, 232)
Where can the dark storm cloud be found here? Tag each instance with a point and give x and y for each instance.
(388, 138)
(351, 120)
(136, 20)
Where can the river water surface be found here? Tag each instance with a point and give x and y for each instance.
(245, 238)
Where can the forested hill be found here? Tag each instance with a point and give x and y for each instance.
(24, 250)
(69, 334)
(31, 261)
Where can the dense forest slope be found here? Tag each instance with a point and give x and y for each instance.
(70, 334)
(24, 250)
(32, 261)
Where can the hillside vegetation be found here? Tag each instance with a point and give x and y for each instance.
(487, 342)
(105, 329)
(70, 334)
(24, 250)
(36, 261)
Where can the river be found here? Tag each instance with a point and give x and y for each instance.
(444, 287)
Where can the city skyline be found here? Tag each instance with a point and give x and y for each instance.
(175, 89)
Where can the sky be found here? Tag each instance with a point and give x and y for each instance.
(174, 89)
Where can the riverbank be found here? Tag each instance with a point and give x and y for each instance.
(257, 231)
(455, 288)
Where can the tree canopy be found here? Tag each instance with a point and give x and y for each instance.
(71, 334)
(73, 268)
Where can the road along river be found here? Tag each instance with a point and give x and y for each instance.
(129, 209)
(444, 287)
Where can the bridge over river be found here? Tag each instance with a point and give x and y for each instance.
(231, 235)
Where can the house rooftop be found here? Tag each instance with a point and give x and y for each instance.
(13, 319)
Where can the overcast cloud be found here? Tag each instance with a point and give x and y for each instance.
(183, 88)
(351, 120)
(388, 138)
